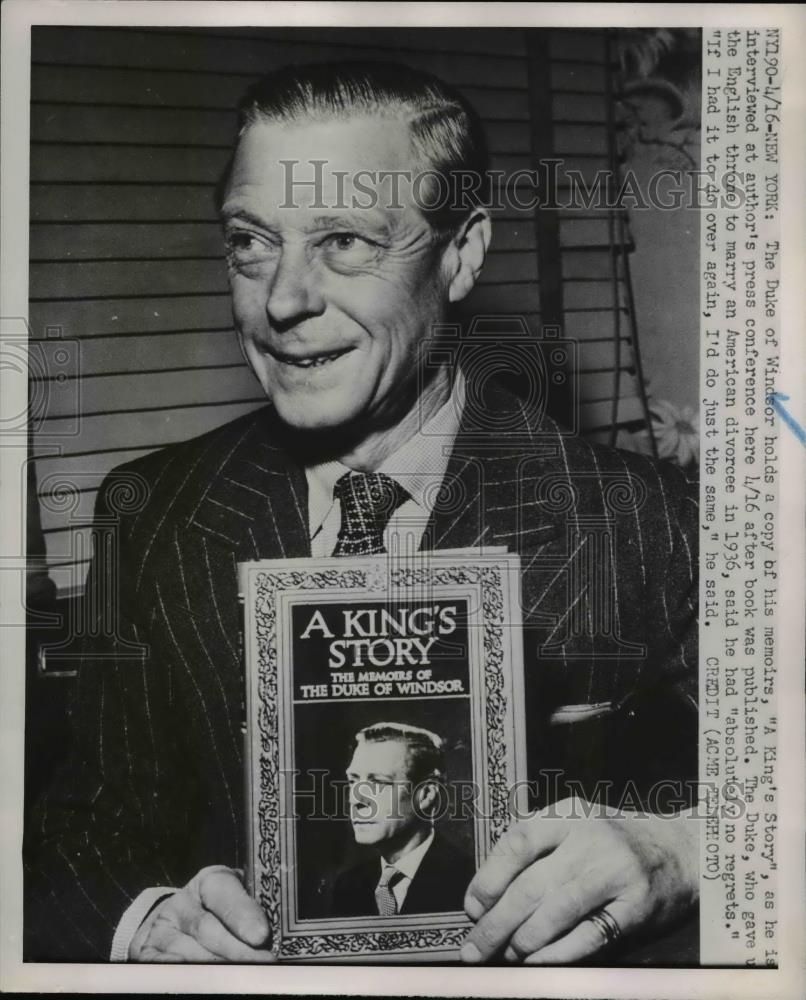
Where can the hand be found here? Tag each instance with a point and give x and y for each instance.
(213, 919)
(532, 895)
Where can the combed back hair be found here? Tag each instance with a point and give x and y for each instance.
(446, 132)
(425, 751)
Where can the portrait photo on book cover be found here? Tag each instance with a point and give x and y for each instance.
(398, 783)
(377, 780)
(348, 320)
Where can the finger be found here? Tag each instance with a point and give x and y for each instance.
(560, 911)
(583, 941)
(522, 845)
(215, 937)
(141, 934)
(166, 944)
(499, 923)
(223, 895)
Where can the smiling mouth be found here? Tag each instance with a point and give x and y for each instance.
(311, 360)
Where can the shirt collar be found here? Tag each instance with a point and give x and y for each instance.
(410, 862)
(418, 465)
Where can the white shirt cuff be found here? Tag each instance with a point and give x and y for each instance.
(134, 915)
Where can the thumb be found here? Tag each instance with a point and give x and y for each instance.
(222, 893)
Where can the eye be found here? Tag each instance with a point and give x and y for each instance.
(347, 251)
(343, 241)
(246, 247)
(240, 240)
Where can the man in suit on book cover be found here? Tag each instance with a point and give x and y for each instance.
(395, 775)
(338, 282)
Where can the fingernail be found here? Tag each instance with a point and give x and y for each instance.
(473, 907)
(470, 953)
(510, 955)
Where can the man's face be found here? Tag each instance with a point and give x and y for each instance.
(330, 303)
(381, 803)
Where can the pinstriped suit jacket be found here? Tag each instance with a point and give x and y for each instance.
(152, 792)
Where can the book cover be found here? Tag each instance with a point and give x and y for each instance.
(384, 746)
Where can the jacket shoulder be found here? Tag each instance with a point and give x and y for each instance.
(591, 467)
(449, 855)
(165, 485)
(182, 454)
(626, 482)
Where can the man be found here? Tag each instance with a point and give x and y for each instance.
(138, 846)
(394, 774)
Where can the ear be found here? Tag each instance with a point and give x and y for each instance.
(467, 251)
(426, 797)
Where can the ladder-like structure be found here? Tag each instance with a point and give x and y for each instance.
(584, 244)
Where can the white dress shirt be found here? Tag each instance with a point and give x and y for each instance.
(418, 466)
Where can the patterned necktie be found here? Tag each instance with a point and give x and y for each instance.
(368, 500)
(384, 897)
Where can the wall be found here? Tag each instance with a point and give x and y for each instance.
(665, 134)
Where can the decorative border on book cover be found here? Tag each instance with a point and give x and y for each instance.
(484, 577)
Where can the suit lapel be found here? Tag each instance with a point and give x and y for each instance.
(487, 497)
(425, 886)
(256, 498)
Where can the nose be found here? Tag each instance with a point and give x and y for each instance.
(294, 290)
(359, 801)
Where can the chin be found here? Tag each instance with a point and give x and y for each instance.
(365, 835)
(314, 412)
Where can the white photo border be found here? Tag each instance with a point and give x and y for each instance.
(788, 980)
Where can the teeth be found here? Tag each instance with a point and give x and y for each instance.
(313, 362)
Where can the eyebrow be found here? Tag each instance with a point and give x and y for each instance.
(319, 223)
(244, 215)
(348, 220)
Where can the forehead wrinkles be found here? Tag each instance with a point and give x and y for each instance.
(298, 162)
(368, 142)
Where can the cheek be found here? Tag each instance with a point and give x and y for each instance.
(394, 326)
(388, 809)
(248, 302)
(394, 306)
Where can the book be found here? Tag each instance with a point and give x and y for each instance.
(384, 728)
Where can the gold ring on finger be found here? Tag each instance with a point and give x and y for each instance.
(607, 925)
